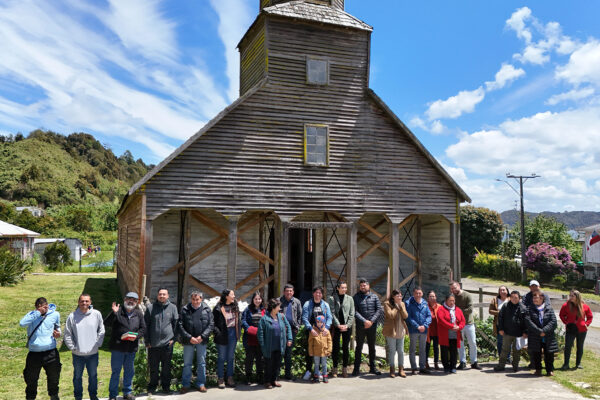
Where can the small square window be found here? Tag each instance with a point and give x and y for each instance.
(316, 145)
(317, 71)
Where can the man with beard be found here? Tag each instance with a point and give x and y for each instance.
(127, 328)
(367, 311)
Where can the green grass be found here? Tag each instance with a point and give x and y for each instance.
(590, 374)
(586, 295)
(16, 301)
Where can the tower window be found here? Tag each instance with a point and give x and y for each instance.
(316, 145)
(317, 71)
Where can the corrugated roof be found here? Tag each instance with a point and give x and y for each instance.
(10, 230)
(314, 12)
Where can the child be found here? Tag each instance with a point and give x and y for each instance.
(319, 347)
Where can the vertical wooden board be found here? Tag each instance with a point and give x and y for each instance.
(436, 260)
(165, 252)
(247, 264)
(352, 254)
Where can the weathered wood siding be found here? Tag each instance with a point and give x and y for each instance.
(253, 56)
(436, 267)
(338, 4)
(130, 235)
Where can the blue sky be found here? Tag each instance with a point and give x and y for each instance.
(489, 87)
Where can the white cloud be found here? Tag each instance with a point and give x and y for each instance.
(235, 16)
(533, 54)
(516, 22)
(455, 106)
(435, 127)
(572, 95)
(505, 75)
(583, 65)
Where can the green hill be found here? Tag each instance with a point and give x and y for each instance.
(47, 169)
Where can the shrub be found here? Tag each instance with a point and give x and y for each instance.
(57, 256)
(495, 266)
(549, 261)
(12, 268)
(480, 228)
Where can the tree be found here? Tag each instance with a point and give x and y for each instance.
(543, 229)
(57, 256)
(80, 219)
(549, 260)
(12, 268)
(7, 212)
(480, 229)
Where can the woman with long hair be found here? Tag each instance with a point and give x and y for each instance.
(495, 306)
(274, 336)
(250, 319)
(394, 330)
(342, 313)
(577, 316)
(227, 332)
(432, 335)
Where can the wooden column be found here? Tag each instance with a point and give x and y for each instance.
(318, 273)
(262, 268)
(282, 256)
(148, 258)
(454, 251)
(352, 253)
(394, 262)
(232, 252)
(419, 252)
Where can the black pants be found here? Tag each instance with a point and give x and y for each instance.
(569, 341)
(307, 358)
(272, 366)
(288, 356)
(160, 357)
(36, 360)
(449, 355)
(336, 346)
(254, 355)
(436, 348)
(370, 334)
(536, 358)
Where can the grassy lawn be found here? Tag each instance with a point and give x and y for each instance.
(590, 374)
(16, 301)
(483, 279)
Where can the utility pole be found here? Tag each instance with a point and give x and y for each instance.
(521, 179)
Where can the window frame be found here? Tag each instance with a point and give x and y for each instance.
(306, 162)
(327, 70)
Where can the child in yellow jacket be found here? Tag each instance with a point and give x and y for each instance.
(319, 347)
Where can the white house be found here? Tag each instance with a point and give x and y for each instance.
(591, 252)
(19, 240)
(74, 245)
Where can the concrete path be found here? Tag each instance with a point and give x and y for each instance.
(469, 384)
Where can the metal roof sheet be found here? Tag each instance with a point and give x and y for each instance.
(8, 230)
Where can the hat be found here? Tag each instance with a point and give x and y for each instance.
(320, 318)
(132, 295)
(534, 282)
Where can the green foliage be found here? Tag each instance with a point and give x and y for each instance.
(485, 349)
(480, 229)
(57, 256)
(12, 268)
(495, 266)
(542, 229)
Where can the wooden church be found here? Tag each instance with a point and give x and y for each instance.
(308, 177)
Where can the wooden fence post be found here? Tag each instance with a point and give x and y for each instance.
(480, 301)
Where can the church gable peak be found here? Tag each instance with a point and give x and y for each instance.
(339, 4)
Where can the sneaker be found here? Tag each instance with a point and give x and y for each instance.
(550, 373)
(355, 372)
(564, 367)
(453, 371)
(475, 365)
(578, 367)
(276, 384)
(230, 382)
(184, 390)
(375, 371)
(201, 389)
(221, 383)
(268, 386)
(315, 379)
(307, 375)
(462, 366)
(129, 396)
(498, 368)
(325, 379)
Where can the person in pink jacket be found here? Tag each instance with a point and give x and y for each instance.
(577, 316)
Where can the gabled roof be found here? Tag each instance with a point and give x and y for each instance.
(10, 230)
(315, 12)
(420, 146)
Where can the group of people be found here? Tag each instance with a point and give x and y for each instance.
(270, 329)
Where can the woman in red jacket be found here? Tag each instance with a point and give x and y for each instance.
(577, 316)
(450, 322)
(432, 335)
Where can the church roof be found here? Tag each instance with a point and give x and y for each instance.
(303, 10)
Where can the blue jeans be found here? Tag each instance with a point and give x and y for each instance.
(188, 360)
(79, 363)
(118, 360)
(468, 335)
(226, 353)
(320, 362)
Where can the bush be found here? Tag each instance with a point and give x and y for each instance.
(549, 261)
(480, 228)
(485, 349)
(495, 266)
(57, 256)
(12, 268)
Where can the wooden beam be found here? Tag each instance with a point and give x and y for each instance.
(407, 279)
(406, 221)
(351, 262)
(210, 223)
(198, 252)
(204, 287)
(407, 253)
(247, 279)
(187, 265)
(142, 255)
(373, 247)
(373, 230)
(232, 252)
(419, 249)
(318, 225)
(253, 252)
(394, 257)
(379, 278)
(148, 257)
(256, 287)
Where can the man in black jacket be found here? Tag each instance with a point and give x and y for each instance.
(127, 328)
(367, 312)
(511, 325)
(161, 324)
(292, 309)
(196, 323)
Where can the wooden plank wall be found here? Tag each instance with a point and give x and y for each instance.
(338, 4)
(130, 231)
(253, 57)
(436, 254)
(253, 157)
(213, 269)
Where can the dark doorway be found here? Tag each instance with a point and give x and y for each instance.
(301, 261)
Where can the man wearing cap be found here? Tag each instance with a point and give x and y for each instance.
(127, 328)
(534, 287)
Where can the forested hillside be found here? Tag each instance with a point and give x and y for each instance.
(572, 219)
